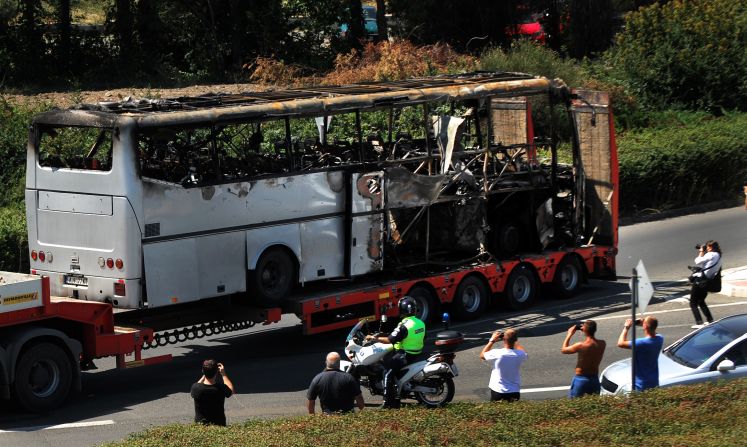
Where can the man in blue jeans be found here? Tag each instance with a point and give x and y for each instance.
(590, 353)
(647, 351)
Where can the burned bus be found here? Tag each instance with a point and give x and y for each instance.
(155, 202)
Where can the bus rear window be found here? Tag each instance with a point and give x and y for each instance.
(87, 148)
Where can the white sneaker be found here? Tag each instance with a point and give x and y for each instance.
(697, 326)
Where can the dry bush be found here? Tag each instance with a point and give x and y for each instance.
(265, 70)
(389, 61)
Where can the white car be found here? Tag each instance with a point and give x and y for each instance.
(717, 351)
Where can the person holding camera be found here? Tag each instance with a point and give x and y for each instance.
(590, 353)
(505, 380)
(647, 351)
(210, 393)
(708, 263)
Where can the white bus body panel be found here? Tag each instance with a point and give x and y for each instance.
(80, 216)
(78, 240)
(184, 270)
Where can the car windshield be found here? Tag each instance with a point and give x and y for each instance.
(701, 345)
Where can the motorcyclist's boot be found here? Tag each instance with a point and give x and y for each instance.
(391, 397)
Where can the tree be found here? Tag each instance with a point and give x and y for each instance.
(356, 27)
(63, 26)
(123, 27)
(590, 28)
(381, 23)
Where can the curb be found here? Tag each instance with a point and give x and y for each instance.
(666, 214)
(734, 282)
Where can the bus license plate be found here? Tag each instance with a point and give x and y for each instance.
(75, 280)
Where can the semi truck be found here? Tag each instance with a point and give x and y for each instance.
(153, 222)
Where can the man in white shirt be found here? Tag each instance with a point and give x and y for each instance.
(505, 380)
(709, 261)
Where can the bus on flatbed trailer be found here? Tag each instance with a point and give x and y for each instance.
(156, 222)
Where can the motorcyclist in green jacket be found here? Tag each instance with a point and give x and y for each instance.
(408, 339)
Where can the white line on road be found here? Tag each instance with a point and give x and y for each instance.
(59, 426)
(542, 390)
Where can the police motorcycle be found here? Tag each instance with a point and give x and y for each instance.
(430, 381)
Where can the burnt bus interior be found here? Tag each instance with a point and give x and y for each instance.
(464, 179)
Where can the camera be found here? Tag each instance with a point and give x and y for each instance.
(501, 336)
(700, 246)
(579, 326)
(639, 321)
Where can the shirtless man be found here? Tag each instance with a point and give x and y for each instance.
(590, 353)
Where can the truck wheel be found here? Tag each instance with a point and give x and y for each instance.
(521, 288)
(273, 278)
(471, 298)
(567, 279)
(43, 378)
(444, 392)
(426, 303)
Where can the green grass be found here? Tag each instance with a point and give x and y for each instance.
(701, 415)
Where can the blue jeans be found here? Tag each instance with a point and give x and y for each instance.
(581, 385)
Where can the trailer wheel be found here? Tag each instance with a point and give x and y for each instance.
(471, 298)
(567, 279)
(521, 288)
(43, 378)
(273, 278)
(426, 303)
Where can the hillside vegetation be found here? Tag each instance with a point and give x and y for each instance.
(698, 416)
(677, 75)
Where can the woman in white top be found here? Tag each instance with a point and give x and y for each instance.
(505, 381)
(709, 260)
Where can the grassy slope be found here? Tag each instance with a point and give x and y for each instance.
(702, 415)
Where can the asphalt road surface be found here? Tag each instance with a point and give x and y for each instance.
(271, 366)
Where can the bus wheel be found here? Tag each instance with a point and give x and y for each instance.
(521, 288)
(273, 278)
(43, 378)
(567, 280)
(506, 240)
(427, 307)
(471, 298)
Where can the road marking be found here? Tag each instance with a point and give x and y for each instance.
(611, 317)
(59, 426)
(542, 390)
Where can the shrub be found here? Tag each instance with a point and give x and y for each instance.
(690, 53)
(13, 239)
(525, 56)
(14, 122)
(400, 59)
(686, 158)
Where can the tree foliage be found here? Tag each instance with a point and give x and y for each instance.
(690, 53)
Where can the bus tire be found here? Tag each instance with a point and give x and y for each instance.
(568, 278)
(427, 307)
(507, 240)
(471, 298)
(43, 378)
(521, 288)
(273, 277)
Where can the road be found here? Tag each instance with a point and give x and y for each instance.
(272, 366)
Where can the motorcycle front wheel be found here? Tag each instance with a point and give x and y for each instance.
(444, 392)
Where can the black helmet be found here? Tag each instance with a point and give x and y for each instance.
(407, 306)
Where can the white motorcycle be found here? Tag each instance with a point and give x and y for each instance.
(430, 382)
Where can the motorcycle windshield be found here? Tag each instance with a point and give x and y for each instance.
(357, 328)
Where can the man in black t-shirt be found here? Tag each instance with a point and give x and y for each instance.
(210, 393)
(337, 390)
